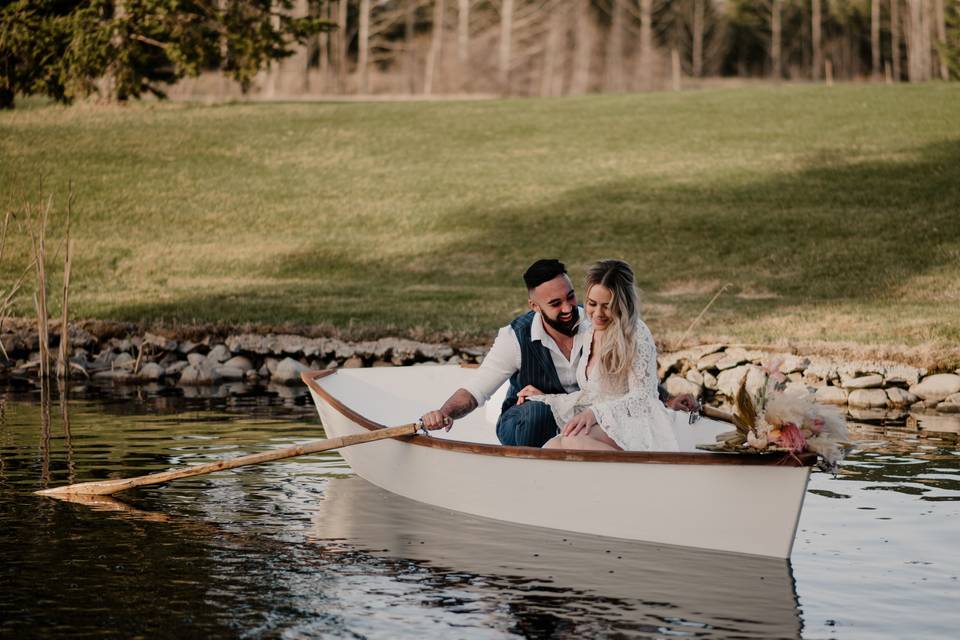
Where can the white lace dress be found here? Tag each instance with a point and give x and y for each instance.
(636, 420)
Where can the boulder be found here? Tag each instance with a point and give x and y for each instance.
(199, 375)
(151, 372)
(794, 364)
(900, 397)
(240, 362)
(271, 365)
(871, 381)
(831, 395)
(159, 343)
(218, 355)
(124, 360)
(901, 374)
(229, 373)
(709, 380)
(176, 367)
(950, 405)
(288, 371)
(694, 376)
(677, 386)
(114, 375)
(728, 381)
(732, 357)
(195, 359)
(937, 387)
(353, 362)
(709, 361)
(868, 398)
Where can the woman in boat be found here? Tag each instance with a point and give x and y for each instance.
(618, 406)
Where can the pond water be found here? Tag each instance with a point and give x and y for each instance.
(302, 548)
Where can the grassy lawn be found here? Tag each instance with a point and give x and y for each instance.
(834, 214)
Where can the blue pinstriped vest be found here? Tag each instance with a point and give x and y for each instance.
(536, 364)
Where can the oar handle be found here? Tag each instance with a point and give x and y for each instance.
(106, 487)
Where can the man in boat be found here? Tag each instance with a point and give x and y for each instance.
(540, 349)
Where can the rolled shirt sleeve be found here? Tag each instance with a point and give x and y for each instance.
(501, 362)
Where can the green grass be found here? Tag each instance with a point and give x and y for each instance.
(834, 213)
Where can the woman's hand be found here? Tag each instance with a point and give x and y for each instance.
(526, 392)
(580, 424)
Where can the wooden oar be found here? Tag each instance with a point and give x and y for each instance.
(107, 487)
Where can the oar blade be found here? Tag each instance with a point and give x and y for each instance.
(97, 488)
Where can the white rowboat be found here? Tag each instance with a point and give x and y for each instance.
(729, 502)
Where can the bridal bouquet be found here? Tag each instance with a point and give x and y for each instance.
(777, 420)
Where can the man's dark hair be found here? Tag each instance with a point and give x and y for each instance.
(542, 271)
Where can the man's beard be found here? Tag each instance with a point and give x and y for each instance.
(568, 328)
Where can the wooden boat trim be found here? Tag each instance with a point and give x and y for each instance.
(645, 457)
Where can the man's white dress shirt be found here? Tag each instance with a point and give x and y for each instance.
(503, 359)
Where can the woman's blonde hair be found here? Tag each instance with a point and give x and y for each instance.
(618, 345)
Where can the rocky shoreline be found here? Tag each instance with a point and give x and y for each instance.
(122, 355)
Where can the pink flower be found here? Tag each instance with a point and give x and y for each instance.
(792, 438)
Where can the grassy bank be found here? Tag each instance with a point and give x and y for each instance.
(834, 214)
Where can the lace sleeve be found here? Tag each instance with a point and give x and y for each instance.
(632, 420)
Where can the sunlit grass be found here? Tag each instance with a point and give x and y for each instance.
(834, 213)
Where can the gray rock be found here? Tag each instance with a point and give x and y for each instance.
(733, 357)
(229, 373)
(709, 361)
(695, 377)
(240, 362)
(195, 359)
(862, 382)
(856, 369)
(152, 372)
(271, 365)
(831, 395)
(729, 380)
(218, 354)
(187, 346)
(124, 360)
(709, 380)
(794, 364)
(901, 374)
(677, 386)
(676, 361)
(176, 367)
(288, 371)
(454, 359)
(159, 342)
(353, 362)
(332, 365)
(821, 370)
(436, 352)
(868, 398)
(251, 375)
(199, 375)
(263, 371)
(937, 386)
(900, 397)
(114, 375)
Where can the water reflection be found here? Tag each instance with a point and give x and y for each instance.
(587, 581)
(299, 548)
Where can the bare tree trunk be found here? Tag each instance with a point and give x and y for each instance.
(698, 17)
(776, 39)
(917, 67)
(941, 20)
(645, 64)
(409, 24)
(895, 38)
(816, 23)
(342, 45)
(436, 44)
(583, 52)
(363, 48)
(875, 38)
(506, 35)
(614, 61)
(325, 48)
(550, 84)
(675, 67)
(463, 43)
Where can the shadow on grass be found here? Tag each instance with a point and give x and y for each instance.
(840, 229)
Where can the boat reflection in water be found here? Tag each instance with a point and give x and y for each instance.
(556, 581)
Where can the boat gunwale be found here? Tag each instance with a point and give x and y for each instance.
(504, 451)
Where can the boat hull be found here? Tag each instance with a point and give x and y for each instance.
(679, 499)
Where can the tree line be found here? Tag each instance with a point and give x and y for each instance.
(119, 49)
